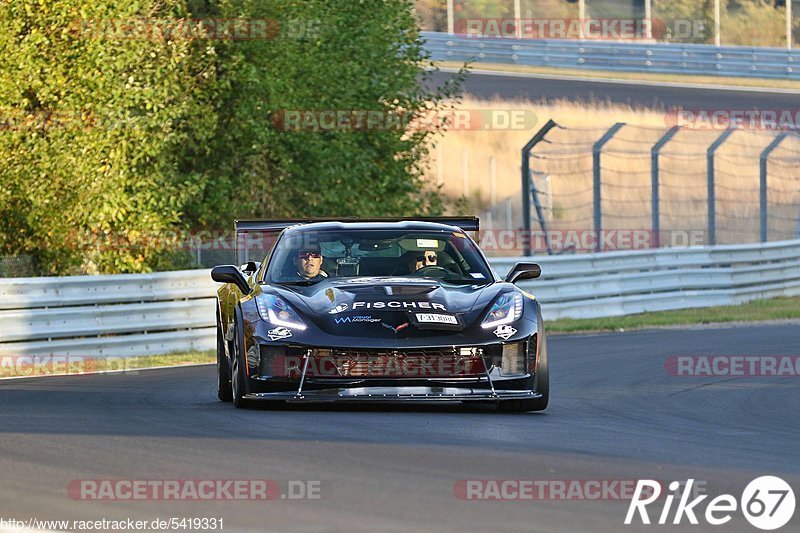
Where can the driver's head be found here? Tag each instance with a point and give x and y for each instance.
(422, 259)
(309, 262)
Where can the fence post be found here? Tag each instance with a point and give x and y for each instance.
(711, 170)
(763, 195)
(451, 17)
(540, 214)
(596, 152)
(526, 181)
(439, 165)
(654, 183)
(492, 181)
(465, 173)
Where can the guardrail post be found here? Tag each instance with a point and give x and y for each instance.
(654, 183)
(763, 195)
(597, 151)
(712, 190)
(526, 180)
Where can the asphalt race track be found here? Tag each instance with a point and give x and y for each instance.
(615, 414)
(536, 89)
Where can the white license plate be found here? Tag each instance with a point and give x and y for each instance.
(432, 318)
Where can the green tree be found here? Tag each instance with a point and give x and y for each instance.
(93, 133)
(109, 141)
(327, 57)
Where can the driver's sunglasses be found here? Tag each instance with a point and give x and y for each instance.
(428, 258)
(309, 255)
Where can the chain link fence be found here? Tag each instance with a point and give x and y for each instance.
(673, 187)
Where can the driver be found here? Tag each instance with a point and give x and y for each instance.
(422, 259)
(309, 265)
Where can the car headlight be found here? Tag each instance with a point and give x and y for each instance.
(277, 311)
(505, 310)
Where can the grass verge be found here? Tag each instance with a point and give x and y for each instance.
(630, 76)
(755, 311)
(44, 365)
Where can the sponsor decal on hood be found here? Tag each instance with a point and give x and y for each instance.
(279, 333)
(398, 305)
(505, 332)
(341, 308)
(356, 318)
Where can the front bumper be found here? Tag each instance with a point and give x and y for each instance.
(490, 384)
(396, 394)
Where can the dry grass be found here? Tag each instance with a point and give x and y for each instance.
(565, 164)
(778, 309)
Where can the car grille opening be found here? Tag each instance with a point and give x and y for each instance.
(450, 362)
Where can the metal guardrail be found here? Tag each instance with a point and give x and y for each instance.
(97, 316)
(622, 283)
(700, 59)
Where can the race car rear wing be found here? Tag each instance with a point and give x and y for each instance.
(245, 226)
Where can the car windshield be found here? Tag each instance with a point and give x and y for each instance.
(305, 257)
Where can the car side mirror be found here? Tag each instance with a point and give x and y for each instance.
(230, 274)
(249, 268)
(523, 271)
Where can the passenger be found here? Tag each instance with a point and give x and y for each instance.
(418, 260)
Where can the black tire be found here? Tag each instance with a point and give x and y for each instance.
(224, 389)
(541, 384)
(238, 376)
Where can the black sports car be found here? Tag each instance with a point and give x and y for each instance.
(376, 310)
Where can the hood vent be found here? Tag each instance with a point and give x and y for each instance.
(390, 290)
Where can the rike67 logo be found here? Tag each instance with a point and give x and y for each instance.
(767, 503)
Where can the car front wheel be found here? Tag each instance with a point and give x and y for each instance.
(224, 388)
